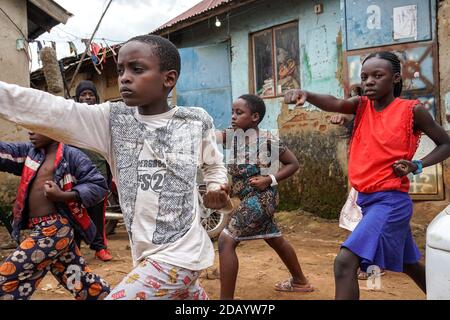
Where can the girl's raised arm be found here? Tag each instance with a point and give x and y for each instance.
(323, 101)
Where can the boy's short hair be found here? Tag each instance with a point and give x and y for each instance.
(166, 51)
(255, 104)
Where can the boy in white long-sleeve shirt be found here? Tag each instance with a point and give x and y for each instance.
(154, 152)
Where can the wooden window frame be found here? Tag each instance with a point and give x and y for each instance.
(252, 69)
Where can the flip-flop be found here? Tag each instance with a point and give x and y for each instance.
(289, 286)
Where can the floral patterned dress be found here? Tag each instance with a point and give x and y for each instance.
(254, 217)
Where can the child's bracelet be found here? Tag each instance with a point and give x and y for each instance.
(274, 181)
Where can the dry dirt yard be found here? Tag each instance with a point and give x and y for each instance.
(315, 240)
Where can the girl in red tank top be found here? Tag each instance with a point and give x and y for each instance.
(385, 138)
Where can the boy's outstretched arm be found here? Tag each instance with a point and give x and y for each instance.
(424, 122)
(60, 119)
(323, 101)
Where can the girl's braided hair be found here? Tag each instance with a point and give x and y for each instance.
(396, 67)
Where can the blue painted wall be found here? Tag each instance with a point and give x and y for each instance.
(205, 81)
(320, 186)
(319, 67)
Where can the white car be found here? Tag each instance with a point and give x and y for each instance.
(438, 257)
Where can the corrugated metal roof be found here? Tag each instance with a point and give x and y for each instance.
(199, 8)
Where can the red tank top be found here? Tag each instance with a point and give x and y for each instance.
(379, 139)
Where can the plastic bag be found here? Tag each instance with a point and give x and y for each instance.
(351, 213)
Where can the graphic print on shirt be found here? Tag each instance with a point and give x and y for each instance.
(178, 144)
(151, 175)
(176, 200)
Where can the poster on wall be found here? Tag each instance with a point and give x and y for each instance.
(373, 23)
(287, 58)
(263, 57)
(405, 22)
(276, 60)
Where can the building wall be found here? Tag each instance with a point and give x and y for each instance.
(444, 56)
(14, 69)
(321, 184)
(14, 64)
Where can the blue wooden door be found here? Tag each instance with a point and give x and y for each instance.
(205, 81)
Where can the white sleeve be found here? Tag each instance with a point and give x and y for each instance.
(214, 171)
(63, 120)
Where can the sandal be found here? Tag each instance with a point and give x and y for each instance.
(289, 286)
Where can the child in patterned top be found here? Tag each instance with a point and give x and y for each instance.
(254, 154)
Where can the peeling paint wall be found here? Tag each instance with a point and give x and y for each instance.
(444, 73)
(320, 186)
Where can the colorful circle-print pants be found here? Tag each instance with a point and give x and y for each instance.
(50, 247)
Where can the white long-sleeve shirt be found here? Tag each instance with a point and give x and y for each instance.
(88, 127)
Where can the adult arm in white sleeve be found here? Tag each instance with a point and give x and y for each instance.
(63, 120)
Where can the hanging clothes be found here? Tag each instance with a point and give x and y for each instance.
(112, 51)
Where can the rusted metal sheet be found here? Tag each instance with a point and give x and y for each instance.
(199, 8)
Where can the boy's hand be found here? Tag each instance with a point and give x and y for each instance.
(52, 192)
(337, 119)
(260, 182)
(403, 167)
(295, 96)
(217, 199)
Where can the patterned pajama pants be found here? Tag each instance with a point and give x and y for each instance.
(152, 280)
(50, 247)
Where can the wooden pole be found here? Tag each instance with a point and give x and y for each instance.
(87, 47)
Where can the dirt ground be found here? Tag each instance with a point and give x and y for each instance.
(315, 240)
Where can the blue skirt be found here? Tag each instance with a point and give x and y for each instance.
(383, 236)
